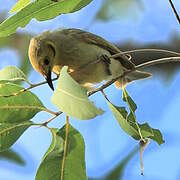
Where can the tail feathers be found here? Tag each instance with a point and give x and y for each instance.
(136, 75)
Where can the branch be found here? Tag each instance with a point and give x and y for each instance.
(174, 10)
(145, 50)
(143, 65)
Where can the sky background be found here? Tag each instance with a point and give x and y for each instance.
(106, 143)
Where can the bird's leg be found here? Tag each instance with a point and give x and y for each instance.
(107, 62)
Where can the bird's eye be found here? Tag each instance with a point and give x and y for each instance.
(46, 61)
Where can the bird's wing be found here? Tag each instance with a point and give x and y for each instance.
(100, 42)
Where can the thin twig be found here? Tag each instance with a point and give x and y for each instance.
(145, 50)
(103, 93)
(175, 12)
(143, 65)
(52, 118)
(90, 63)
(65, 147)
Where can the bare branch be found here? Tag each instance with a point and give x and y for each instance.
(175, 12)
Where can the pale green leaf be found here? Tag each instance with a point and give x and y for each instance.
(72, 99)
(116, 9)
(10, 132)
(12, 156)
(12, 74)
(41, 10)
(51, 166)
(21, 107)
(19, 5)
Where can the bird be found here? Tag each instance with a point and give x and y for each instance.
(88, 57)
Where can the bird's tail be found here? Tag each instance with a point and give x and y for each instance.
(136, 75)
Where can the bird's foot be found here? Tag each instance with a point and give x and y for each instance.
(107, 62)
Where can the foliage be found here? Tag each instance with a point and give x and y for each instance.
(12, 156)
(74, 167)
(114, 9)
(41, 10)
(72, 99)
(65, 157)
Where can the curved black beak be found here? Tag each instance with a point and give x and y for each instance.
(49, 80)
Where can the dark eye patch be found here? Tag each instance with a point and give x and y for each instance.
(46, 61)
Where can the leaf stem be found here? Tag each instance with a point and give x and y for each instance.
(52, 112)
(65, 148)
(143, 145)
(174, 10)
(52, 118)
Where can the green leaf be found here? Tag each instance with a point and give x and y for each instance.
(111, 9)
(157, 136)
(124, 124)
(12, 74)
(41, 10)
(146, 130)
(126, 98)
(12, 156)
(51, 165)
(54, 142)
(21, 107)
(117, 172)
(72, 99)
(19, 5)
(129, 124)
(10, 132)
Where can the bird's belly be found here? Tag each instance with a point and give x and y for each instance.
(92, 72)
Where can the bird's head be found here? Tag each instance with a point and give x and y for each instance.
(41, 54)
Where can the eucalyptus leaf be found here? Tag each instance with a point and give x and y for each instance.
(18, 108)
(114, 9)
(12, 74)
(41, 10)
(72, 99)
(10, 132)
(129, 123)
(124, 124)
(117, 172)
(19, 5)
(12, 156)
(157, 136)
(74, 165)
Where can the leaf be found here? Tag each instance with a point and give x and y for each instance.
(124, 124)
(41, 10)
(157, 136)
(118, 171)
(19, 5)
(21, 107)
(13, 156)
(72, 99)
(129, 123)
(12, 74)
(10, 132)
(126, 98)
(51, 165)
(114, 9)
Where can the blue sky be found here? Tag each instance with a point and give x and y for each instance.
(106, 143)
